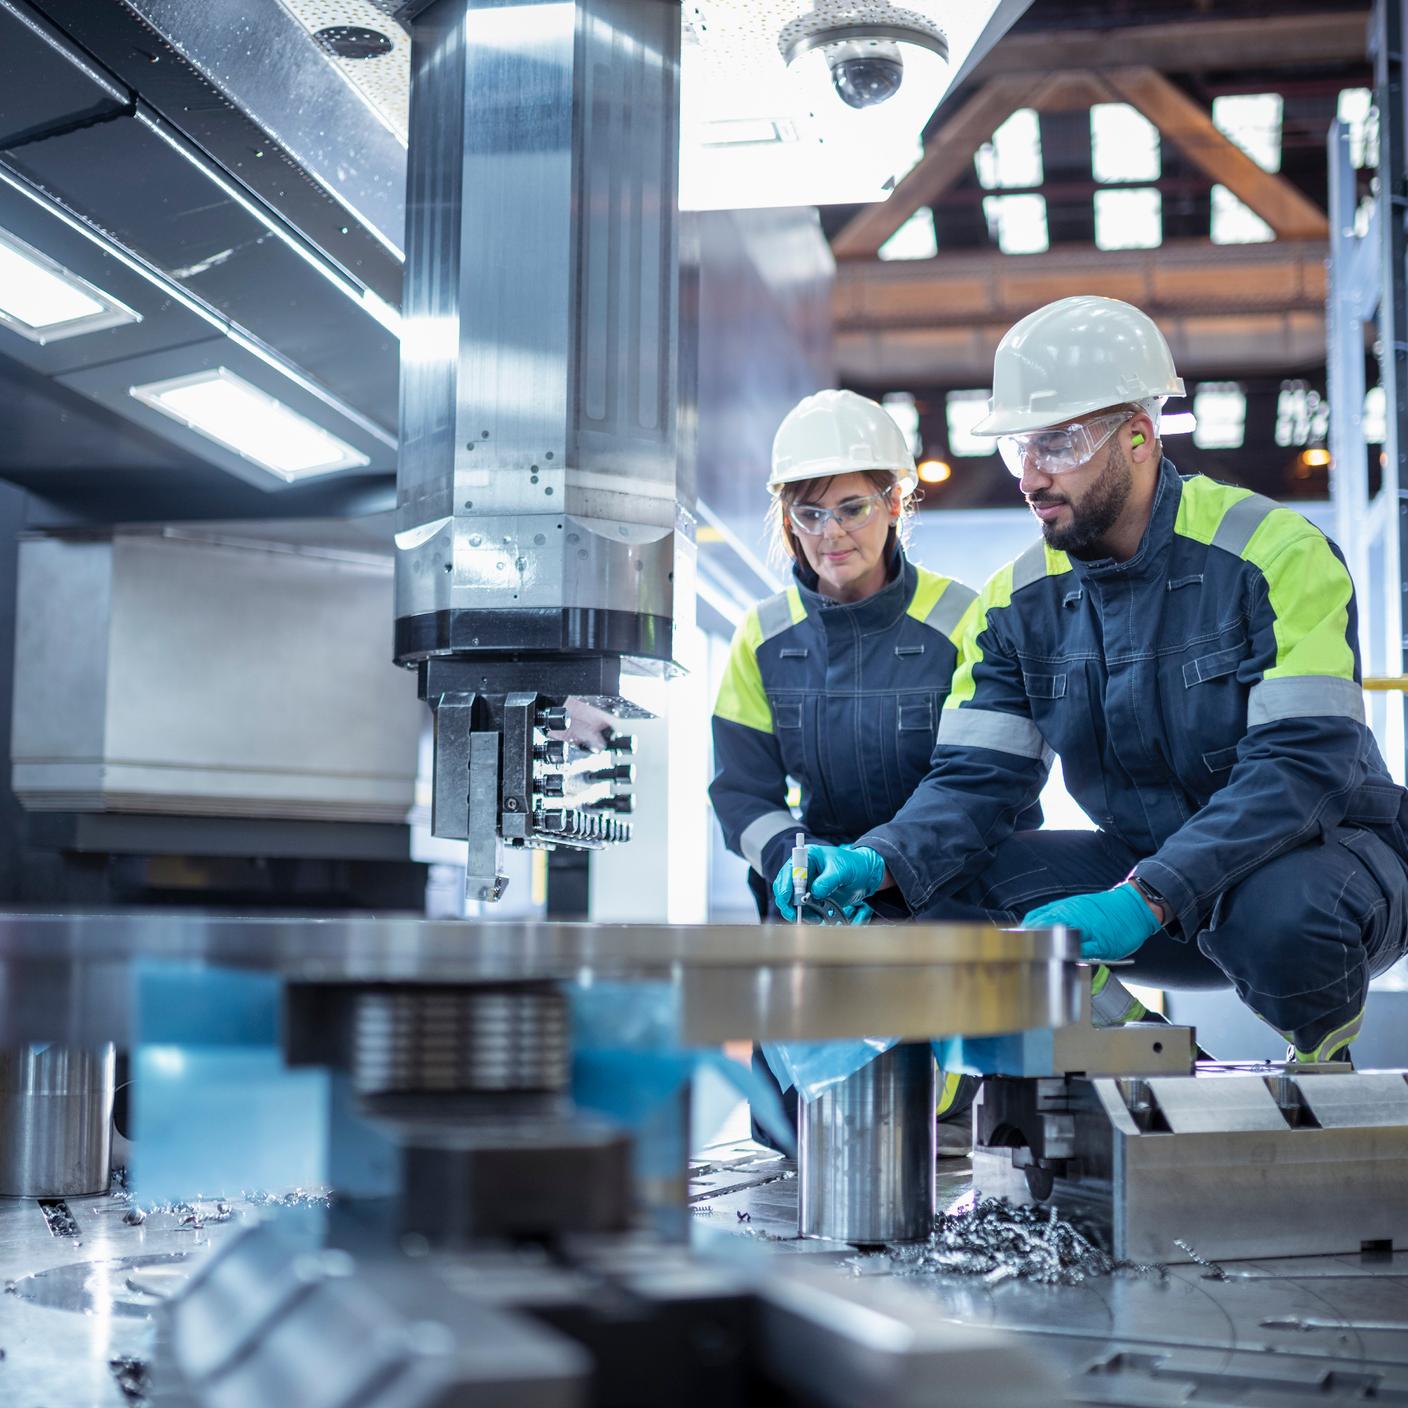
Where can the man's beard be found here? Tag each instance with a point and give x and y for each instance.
(1095, 513)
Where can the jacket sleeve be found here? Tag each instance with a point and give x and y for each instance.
(990, 762)
(1306, 748)
(749, 790)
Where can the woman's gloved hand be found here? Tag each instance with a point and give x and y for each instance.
(846, 875)
(1113, 923)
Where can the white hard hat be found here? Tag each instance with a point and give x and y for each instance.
(839, 432)
(1073, 356)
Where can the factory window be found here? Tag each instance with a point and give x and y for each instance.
(1355, 109)
(1375, 416)
(964, 409)
(905, 414)
(1013, 157)
(1124, 144)
(1129, 219)
(1235, 223)
(1017, 223)
(1253, 122)
(1302, 415)
(1220, 408)
(915, 239)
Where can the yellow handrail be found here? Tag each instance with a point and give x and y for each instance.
(1386, 684)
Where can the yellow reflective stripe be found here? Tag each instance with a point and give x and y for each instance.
(1202, 506)
(926, 594)
(1057, 563)
(948, 1091)
(996, 595)
(742, 699)
(1309, 592)
(796, 604)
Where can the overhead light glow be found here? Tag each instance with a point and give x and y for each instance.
(1375, 416)
(915, 239)
(934, 471)
(229, 410)
(1018, 223)
(963, 410)
(1013, 157)
(1221, 410)
(905, 414)
(1316, 458)
(1124, 144)
(1129, 219)
(1253, 122)
(1235, 223)
(43, 301)
(1355, 108)
(1177, 423)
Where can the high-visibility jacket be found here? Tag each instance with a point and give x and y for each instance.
(842, 698)
(1203, 697)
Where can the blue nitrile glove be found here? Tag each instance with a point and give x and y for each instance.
(1112, 923)
(843, 874)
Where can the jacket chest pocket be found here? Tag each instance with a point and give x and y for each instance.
(1042, 686)
(1207, 716)
(916, 714)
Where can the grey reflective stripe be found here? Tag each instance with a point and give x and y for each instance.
(1030, 567)
(1241, 521)
(1114, 1005)
(987, 728)
(948, 610)
(1305, 696)
(774, 615)
(759, 832)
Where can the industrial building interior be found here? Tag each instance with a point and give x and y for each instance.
(387, 395)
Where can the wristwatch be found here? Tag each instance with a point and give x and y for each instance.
(1151, 897)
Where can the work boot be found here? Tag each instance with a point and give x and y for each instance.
(954, 1114)
(1334, 1047)
(1113, 1005)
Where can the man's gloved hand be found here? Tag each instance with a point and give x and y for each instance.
(843, 874)
(1113, 923)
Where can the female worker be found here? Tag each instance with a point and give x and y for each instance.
(835, 683)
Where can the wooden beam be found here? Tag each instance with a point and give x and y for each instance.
(1190, 128)
(946, 158)
(1194, 45)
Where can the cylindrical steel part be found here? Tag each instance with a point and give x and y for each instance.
(475, 1040)
(865, 1152)
(56, 1120)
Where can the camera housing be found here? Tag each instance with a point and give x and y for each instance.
(863, 46)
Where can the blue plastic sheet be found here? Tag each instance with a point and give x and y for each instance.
(815, 1066)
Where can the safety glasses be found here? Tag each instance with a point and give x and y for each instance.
(850, 515)
(1057, 451)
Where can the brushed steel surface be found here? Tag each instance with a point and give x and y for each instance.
(866, 1150)
(55, 1120)
(64, 977)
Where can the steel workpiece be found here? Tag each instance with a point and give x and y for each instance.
(63, 977)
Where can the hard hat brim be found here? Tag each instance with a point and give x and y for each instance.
(829, 469)
(1012, 422)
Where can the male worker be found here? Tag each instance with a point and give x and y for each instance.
(1188, 650)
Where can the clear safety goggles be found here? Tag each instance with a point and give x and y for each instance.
(849, 515)
(1057, 451)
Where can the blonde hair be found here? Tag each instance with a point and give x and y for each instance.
(782, 541)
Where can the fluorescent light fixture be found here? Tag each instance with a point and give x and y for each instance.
(43, 301)
(1235, 223)
(1302, 415)
(915, 239)
(905, 414)
(1129, 219)
(1017, 223)
(1177, 423)
(1124, 144)
(963, 410)
(1253, 122)
(1355, 108)
(1221, 411)
(1013, 156)
(1375, 416)
(229, 410)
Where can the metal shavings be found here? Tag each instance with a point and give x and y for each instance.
(1211, 1270)
(993, 1239)
(132, 1378)
(60, 1220)
(700, 1210)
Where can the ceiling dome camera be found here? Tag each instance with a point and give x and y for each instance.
(862, 42)
(865, 73)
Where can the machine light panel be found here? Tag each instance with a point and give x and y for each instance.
(905, 413)
(963, 410)
(229, 410)
(43, 301)
(1221, 409)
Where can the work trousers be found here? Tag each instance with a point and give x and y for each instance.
(1298, 938)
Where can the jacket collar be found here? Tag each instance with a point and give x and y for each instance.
(875, 613)
(1149, 558)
